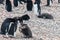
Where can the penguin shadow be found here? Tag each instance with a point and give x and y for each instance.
(29, 5)
(45, 16)
(5, 25)
(25, 30)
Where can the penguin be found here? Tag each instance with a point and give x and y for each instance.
(5, 26)
(9, 26)
(1, 2)
(25, 1)
(8, 6)
(13, 27)
(15, 2)
(29, 5)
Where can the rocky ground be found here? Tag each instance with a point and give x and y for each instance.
(42, 29)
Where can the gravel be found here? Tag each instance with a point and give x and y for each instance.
(42, 29)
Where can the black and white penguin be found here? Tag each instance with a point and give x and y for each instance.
(9, 26)
(8, 6)
(13, 27)
(29, 5)
(5, 26)
(37, 7)
(15, 2)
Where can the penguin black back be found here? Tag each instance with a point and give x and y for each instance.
(15, 3)
(25, 17)
(13, 26)
(1, 1)
(8, 6)
(5, 26)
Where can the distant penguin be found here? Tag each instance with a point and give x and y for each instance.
(1, 1)
(8, 6)
(15, 3)
(25, 1)
(29, 5)
(37, 7)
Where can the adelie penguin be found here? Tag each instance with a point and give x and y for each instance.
(29, 5)
(37, 7)
(6, 28)
(8, 6)
(13, 28)
(2, 2)
(15, 3)
(26, 31)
